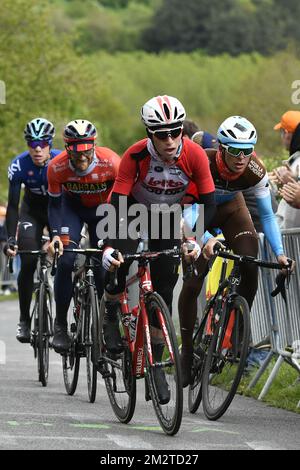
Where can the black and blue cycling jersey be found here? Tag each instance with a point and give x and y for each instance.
(22, 171)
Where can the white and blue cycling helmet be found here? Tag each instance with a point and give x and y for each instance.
(238, 132)
(39, 129)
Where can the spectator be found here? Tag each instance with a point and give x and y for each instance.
(287, 177)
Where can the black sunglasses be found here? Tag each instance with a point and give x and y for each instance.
(166, 133)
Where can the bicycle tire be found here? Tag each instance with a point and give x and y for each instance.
(34, 326)
(119, 380)
(89, 336)
(223, 364)
(201, 343)
(168, 414)
(71, 361)
(44, 309)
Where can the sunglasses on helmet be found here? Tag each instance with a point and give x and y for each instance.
(236, 152)
(165, 133)
(38, 143)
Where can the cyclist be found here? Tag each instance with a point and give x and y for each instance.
(25, 228)
(80, 179)
(148, 170)
(235, 168)
(203, 138)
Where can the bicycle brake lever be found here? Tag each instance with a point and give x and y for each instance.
(54, 264)
(113, 275)
(10, 264)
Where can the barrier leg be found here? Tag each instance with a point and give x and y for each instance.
(261, 370)
(272, 376)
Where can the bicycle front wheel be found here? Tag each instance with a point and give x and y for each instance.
(226, 358)
(163, 375)
(71, 360)
(90, 337)
(44, 333)
(116, 369)
(201, 343)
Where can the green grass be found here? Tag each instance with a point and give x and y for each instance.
(284, 391)
(13, 296)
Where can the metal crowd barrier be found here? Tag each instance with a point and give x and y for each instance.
(8, 281)
(271, 317)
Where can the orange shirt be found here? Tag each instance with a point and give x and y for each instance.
(91, 187)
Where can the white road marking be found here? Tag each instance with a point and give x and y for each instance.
(14, 439)
(133, 442)
(265, 445)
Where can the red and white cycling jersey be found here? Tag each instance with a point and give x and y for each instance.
(91, 187)
(151, 181)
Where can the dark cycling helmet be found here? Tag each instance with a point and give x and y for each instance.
(163, 111)
(79, 130)
(39, 129)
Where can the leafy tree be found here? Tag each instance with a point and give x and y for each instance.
(232, 26)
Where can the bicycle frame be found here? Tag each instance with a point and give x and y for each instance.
(42, 278)
(85, 276)
(142, 333)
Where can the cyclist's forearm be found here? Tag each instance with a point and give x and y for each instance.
(115, 201)
(270, 225)
(12, 213)
(209, 202)
(54, 215)
(192, 212)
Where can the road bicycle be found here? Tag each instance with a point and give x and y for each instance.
(140, 327)
(41, 319)
(83, 323)
(221, 342)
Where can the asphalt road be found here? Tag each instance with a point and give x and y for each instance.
(34, 417)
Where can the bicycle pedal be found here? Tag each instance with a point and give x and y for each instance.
(102, 369)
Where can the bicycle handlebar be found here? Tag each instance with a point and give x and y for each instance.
(150, 255)
(219, 251)
(144, 255)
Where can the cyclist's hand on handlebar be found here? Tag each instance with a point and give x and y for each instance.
(109, 262)
(11, 247)
(208, 249)
(286, 262)
(191, 250)
(51, 248)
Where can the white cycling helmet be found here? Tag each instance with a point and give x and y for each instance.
(237, 132)
(78, 130)
(163, 111)
(39, 129)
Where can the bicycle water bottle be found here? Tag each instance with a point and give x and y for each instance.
(132, 323)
